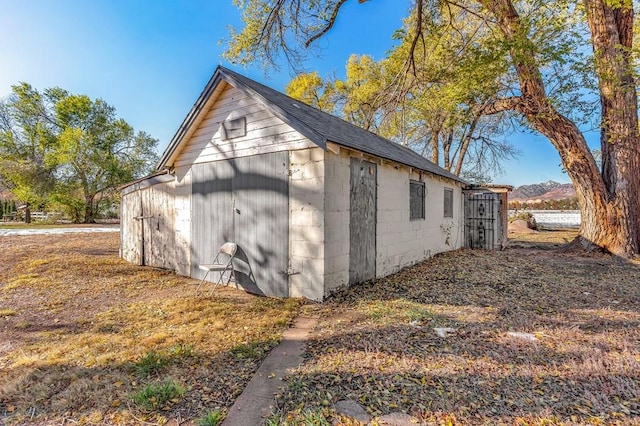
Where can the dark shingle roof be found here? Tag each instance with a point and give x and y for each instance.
(316, 125)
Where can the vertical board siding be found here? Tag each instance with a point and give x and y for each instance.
(261, 190)
(182, 221)
(148, 226)
(362, 223)
(244, 200)
(131, 227)
(158, 226)
(211, 210)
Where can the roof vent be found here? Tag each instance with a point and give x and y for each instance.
(234, 128)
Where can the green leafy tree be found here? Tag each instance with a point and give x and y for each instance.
(437, 109)
(311, 89)
(68, 150)
(545, 46)
(27, 136)
(433, 119)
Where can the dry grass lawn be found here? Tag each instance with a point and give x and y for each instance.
(87, 338)
(537, 337)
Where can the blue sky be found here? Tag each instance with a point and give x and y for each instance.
(151, 58)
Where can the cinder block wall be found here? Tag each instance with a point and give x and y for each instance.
(336, 231)
(402, 242)
(307, 223)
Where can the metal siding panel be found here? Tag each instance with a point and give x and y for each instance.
(362, 221)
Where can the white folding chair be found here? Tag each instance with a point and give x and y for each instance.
(223, 263)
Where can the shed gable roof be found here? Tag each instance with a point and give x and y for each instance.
(316, 125)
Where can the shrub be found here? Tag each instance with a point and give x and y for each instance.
(527, 217)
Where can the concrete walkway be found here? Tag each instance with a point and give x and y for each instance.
(256, 402)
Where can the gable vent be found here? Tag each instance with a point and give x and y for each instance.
(234, 128)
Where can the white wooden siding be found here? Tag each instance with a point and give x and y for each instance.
(265, 132)
(182, 208)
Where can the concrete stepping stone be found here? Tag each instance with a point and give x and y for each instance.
(352, 409)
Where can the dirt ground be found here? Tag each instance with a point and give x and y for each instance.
(527, 336)
(83, 334)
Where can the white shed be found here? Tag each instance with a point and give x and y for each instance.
(315, 203)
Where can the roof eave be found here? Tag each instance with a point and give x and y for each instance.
(448, 175)
(292, 121)
(196, 109)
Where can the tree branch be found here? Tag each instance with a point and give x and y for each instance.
(416, 37)
(267, 28)
(513, 103)
(466, 9)
(330, 23)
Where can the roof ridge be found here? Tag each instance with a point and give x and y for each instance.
(318, 126)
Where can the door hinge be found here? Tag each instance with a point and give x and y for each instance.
(290, 271)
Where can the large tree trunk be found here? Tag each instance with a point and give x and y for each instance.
(434, 141)
(608, 204)
(612, 35)
(27, 213)
(447, 150)
(464, 145)
(89, 212)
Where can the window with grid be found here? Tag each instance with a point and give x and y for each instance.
(416, 200)
(448, 202)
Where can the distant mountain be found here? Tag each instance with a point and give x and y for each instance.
(550, 190)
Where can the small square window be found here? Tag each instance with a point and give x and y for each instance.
(416, 200)
(448, 202)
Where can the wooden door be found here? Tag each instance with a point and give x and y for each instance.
(211, 212)
(362, 221)
(246, 201)
(482, 219)
(157, 222)
(261, 221)
(131, 227)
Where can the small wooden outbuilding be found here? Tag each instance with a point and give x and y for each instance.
(486, 216)
(315, 203)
